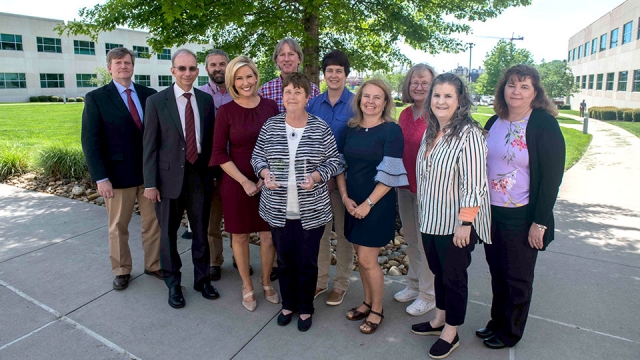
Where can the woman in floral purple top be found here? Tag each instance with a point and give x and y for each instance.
(525, 164)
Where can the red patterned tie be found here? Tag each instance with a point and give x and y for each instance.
(133, 110)
(190, 129)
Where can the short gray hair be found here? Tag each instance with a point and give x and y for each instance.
(292, 44)
(215, 52)
(119, 53)
(181, 52)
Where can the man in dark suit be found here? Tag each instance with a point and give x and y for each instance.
(112, 130)
(177, 146)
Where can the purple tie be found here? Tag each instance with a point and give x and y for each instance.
(190, 129)
(133, 110)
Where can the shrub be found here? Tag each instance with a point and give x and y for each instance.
(398, 103)
(627, 115)
(636, 115)
(63, 161)
(61, 99)
(564, 107)
(609, 114)
(33, 99)
(71, 99)
(13, 161)
(43, 98)
(80, 99)
(53, 98)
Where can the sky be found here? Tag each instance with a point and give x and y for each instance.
(546, 26)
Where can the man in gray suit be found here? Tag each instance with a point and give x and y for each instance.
(176, 149)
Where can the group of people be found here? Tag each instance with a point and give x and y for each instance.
(295, 166)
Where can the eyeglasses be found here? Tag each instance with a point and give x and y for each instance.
(425, 85)
(184, 68)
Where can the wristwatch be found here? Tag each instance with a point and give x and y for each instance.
(541, 227)
(370, 203)
(464, 223)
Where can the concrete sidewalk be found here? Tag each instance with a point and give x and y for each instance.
(56, 299)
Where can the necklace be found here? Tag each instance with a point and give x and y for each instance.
(294, 134)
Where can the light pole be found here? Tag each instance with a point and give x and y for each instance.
(471, 45)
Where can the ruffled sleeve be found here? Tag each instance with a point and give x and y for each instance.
(391, 170)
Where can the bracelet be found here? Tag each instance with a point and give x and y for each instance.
(541, 227)
(343, 197)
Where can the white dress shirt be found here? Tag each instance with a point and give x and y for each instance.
(181, 101)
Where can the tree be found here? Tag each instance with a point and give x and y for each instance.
(103, 77)
(557, 79)
(503, 56)
(367, 31)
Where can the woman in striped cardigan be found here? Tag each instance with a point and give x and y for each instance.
(296, 155)
(453, 204)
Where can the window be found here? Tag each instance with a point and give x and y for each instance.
(569, 57)
(49, 45)
(586, 49)
(574, 54)
(164, 80)
(142, 52)
(13, 81)
(109, 46)
(144, 80)
(84, 80)
(627, 29)
(165, 54)
(614, 38)
(594, 45)
(51, 80)
(609, 81)
(578, 80)
(603, 42)
(203, 80)
(584, 82)
(622, 80)
(636, 80)
(579, 51)
(590, 82)
(10, 42)
(84, 47)
(599, 78)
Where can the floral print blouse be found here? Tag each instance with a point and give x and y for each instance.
(508, 163)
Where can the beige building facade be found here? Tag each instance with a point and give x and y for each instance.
(35, 60)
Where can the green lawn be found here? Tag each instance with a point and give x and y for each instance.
(566, 120)
(570, 112)
(632, 127)
(576, 143)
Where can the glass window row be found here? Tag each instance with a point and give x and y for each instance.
(608, 83)
(612, 41)
(19, 80)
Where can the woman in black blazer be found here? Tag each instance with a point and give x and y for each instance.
(525, 164)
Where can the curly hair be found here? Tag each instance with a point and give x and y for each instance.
(461, 117)
(521, 72)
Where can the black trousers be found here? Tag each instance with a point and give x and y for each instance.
(512, 262)
(196, 200)
(449, 264)
(297, 251)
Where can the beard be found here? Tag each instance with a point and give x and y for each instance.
(217, 78)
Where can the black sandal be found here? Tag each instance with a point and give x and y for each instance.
(372, 326)
(355, 315)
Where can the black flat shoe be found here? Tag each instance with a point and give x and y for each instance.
(121, 282)
(208, 291)
(425, 328)
(441, 349)
(284, 319)
(176, 300)
(304, 325)
(484, 333)
(215, 273)
(494, 343)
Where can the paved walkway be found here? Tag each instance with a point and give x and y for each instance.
(56, 300)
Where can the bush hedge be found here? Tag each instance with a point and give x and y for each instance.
(43, 98)
(63, 161)
(564, 107)
(611, 113)
(13, 161)
(80, 99)
(71, 99)
(33, 99)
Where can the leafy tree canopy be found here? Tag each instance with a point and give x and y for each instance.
(557, 79)
(366, 30)
(503, 56)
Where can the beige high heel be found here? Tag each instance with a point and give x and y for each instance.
(275, 298)
(249, 305)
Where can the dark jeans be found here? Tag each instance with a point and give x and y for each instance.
(196, 200)
(297, 251)
(512, 262)
(449, 264)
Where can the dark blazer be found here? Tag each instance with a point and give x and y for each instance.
(546, 148)
(164, 153)
(111, 141)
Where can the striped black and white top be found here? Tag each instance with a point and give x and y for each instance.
(316, 152)
(453, 176)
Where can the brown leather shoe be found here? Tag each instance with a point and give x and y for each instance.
(335, 297)
(121, 282)
(156, 274)
(319, 291)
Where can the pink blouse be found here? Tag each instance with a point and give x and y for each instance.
(412, 130)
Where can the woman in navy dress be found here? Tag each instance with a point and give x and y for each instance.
(372, 148)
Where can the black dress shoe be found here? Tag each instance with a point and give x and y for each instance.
(494, 343)
(121, 282)
(441, 349)
(215, 273)
(156, 274)
(304, 325)
(284, 319)
(187, 235)
(484, 333)
(236, 266)
(176, 300)
(207, 290)
(274, 274)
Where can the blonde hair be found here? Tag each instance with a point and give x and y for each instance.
(389, 109)
(230, 75)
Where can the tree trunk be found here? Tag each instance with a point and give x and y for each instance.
(311, 45)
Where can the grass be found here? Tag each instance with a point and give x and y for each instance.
(566, 120)
(13, 161)
(570, 112)
(632, 127)
(576, 143)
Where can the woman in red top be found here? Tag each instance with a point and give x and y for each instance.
(238, 124)
(412, 122)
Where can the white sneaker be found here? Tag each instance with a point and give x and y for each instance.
(406, 295)
(420, 307)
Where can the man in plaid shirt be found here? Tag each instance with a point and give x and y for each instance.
(288, 57)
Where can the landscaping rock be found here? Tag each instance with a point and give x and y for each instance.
(77, 190)
(394, 271)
